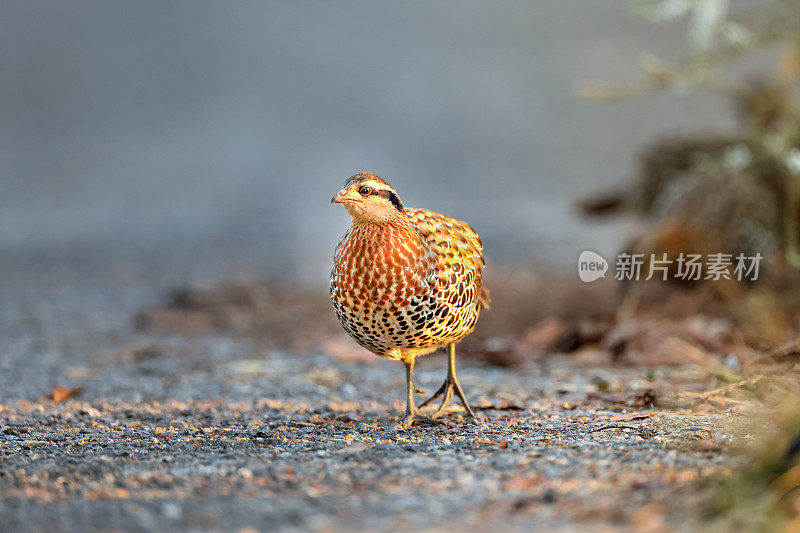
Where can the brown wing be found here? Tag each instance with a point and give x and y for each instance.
(458, 248)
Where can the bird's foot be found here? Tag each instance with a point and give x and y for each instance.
(449, 387)
(437, 394)
(415, 417)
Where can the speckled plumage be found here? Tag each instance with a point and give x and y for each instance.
(405, 281)
(408, 288)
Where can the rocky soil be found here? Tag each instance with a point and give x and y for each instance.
(111, 425)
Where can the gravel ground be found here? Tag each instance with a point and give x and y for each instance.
(217, 432)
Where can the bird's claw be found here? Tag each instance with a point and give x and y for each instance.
(450, 387)
(419, 419)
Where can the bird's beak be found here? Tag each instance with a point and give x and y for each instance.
(341, 197)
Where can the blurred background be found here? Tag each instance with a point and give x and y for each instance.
(154, 143)
(166, 237)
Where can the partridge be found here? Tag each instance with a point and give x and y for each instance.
(406, 282)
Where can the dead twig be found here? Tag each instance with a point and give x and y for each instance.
(732, 387)
(644, 433)
(614, 426)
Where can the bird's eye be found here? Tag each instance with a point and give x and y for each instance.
(365, 191)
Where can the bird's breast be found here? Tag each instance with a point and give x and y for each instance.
(381, 267)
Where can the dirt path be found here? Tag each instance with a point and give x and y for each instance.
(216, 432)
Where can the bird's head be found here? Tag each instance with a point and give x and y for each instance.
(370, 198)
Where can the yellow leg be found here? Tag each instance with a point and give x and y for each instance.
(451, 385)
(412, 413)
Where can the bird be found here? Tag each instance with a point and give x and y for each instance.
(406, 282)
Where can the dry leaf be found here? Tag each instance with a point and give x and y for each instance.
(541, 337)
(504, 405)
(626, 417)
(60, 394)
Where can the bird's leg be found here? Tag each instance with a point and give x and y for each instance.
(451, 385)
(412, 413)
(409, 418)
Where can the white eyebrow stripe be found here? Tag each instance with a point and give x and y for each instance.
(375, 185)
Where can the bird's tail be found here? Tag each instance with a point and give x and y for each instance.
(484, 297)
